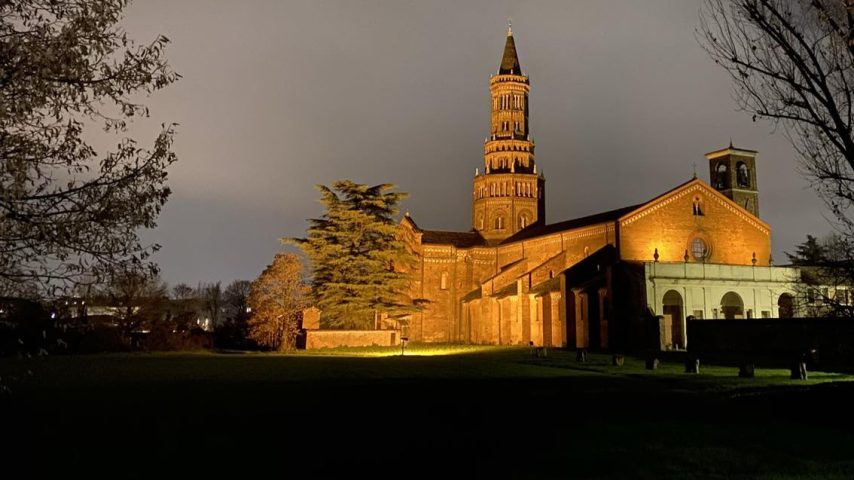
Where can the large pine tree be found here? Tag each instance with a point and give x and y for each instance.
(811, 252)
(358, 260)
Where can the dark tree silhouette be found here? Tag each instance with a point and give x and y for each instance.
(70, 214)
(792, 63)
(827, 274)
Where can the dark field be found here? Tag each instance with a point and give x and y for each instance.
(485, 413)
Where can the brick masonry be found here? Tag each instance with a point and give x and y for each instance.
(351, 338)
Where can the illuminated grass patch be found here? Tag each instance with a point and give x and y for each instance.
(414, 350)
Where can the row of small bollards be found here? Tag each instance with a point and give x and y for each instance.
(692, 365)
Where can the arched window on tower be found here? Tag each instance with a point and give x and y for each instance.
(499, 223)
(443, 281)
(742, 175)
(721, 173)
(523, 220)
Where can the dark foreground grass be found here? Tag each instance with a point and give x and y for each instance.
(479, 413)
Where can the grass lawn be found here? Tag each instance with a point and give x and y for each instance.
(449, 411)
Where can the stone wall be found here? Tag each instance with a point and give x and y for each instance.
(351, 338)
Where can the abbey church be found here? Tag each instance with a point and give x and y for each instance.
(699, 249)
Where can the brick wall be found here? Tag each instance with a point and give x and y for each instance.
(670, 225)
(311, 318)
(351, 338)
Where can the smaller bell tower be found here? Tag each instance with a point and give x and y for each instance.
(732, 171)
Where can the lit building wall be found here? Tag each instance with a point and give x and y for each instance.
(669, 224)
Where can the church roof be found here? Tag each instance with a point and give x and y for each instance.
(510, 61)
(474, 239)
(457, 239)
(441, 237)
(537, 230)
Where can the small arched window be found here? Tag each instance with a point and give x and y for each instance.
(480, 221)
(721, 176)
(698, 207)
(443, 281)
(523, 220)
(499, 223)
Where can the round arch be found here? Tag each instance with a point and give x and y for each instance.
(672, 308)
(742, 175)
(786, 306)
(732, 306)
(721, 176)
(672, 298)
(524, 219)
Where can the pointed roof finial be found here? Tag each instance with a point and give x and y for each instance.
(695, 169)
(509, 60)
(730, 142)
(509, 27)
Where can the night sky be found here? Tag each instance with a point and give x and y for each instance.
(279, 96)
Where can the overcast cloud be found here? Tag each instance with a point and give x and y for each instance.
(278, 96)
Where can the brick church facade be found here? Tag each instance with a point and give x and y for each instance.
(699, 249)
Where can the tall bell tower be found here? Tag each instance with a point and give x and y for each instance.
(508, 194)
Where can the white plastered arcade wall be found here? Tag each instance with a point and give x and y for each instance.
(702, 287)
